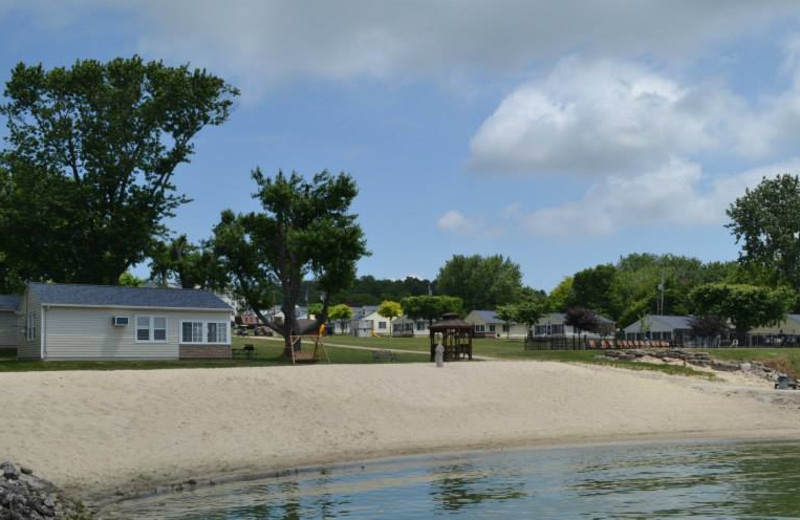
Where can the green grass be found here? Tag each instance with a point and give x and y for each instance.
(267, 353)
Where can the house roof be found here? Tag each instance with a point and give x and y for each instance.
(563, 316)
(487, 316)
(9, 302)
(114, 295)
(666, 321)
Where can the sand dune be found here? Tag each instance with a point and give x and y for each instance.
(96, 432)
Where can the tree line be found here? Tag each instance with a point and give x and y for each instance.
(86, 186)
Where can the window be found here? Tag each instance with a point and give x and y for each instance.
(506, 328)
(558, 329)
(420, 325)
(492, 328)
(151, 329)
(192, 332)
(30, 327)
(480, 328)
(204, 332)
(382, 325)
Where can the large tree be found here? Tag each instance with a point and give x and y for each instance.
(88, 171)
(305, 230)
(430, 308)
(481, 282)
(766, 220)
(192, 266)
(746, 306)
(595, 288)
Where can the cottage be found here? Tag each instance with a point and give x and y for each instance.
(8, 320)
(488, 325)
(404, 326)
(660, 327)
(786, 332)
(62, 321)
(554, 325)
(367, 322)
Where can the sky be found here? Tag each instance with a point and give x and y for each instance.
(559, 134)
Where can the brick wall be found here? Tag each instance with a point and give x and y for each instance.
(205, 352)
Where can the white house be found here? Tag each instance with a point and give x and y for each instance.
(487, 324)
(8, 320)
(661, 327)
(62, 321)
(554, 324)
(366, 322)
(406, 327)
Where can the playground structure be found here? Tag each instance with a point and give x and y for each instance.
(455, 336)
(300, 356)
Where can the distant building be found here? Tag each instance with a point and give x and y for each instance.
(661, 327)
(488, 325)
(554, 325)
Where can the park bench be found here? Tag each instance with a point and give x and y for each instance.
(383, 356)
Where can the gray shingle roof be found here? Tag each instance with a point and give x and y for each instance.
(667, 322)
(9, 302)
(102, 295)
(488, 316)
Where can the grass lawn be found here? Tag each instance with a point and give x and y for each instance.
(267, 353)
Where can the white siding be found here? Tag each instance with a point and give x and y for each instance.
(8, 329)
(29, 349)
(87, 333)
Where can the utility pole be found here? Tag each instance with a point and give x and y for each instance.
(661, 297)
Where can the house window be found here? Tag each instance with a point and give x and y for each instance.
(420, 325)
(666, 335)
(217, 332)
(30, 326)
(151, 329)
(491, 328)
(506, 328)
(480, 328)
(192, 332)
(204, 332)
(382, 325)
(557, 329)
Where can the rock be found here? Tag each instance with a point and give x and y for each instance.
(9, 471)
(25, 470)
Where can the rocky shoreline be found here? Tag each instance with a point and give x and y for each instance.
(24, 496)
(697, 359)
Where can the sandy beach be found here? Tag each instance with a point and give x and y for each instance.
(94, 433)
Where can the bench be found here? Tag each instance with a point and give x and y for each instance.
(381, 356)
(248, 352)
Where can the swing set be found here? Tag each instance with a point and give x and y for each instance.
(319, 351)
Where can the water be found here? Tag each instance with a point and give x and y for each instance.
(677, 480)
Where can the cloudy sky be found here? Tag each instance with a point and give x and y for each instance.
(562, 134)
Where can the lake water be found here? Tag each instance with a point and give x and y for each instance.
(674, 480)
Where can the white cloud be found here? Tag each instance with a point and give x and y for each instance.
(261, 43)
(676, 194)
(610, 116)
(456, 222)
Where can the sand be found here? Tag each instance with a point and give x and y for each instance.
(95, 433)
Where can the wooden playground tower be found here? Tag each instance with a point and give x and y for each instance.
(455, 335)
(318, 353)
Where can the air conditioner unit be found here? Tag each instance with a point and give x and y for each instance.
(120, 321)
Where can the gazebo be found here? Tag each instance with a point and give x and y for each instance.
(455, 335)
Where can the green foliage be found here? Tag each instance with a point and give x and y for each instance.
(315, 309)
(91, 154)
(507, 313)
(190, 265)
(305, 229)
(128, 280)
(747, 306)
(595, 288)
(341, 313)
(530, 311)
(480, 282)
(431, 308)
(391, 310)
(563, 295)
(367, 290)
(766, 220)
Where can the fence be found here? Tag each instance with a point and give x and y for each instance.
(584, 343)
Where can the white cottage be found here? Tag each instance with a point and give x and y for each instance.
(63, 321)
(8, 320)
(488, 325)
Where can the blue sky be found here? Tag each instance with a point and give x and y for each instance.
(560, 134)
